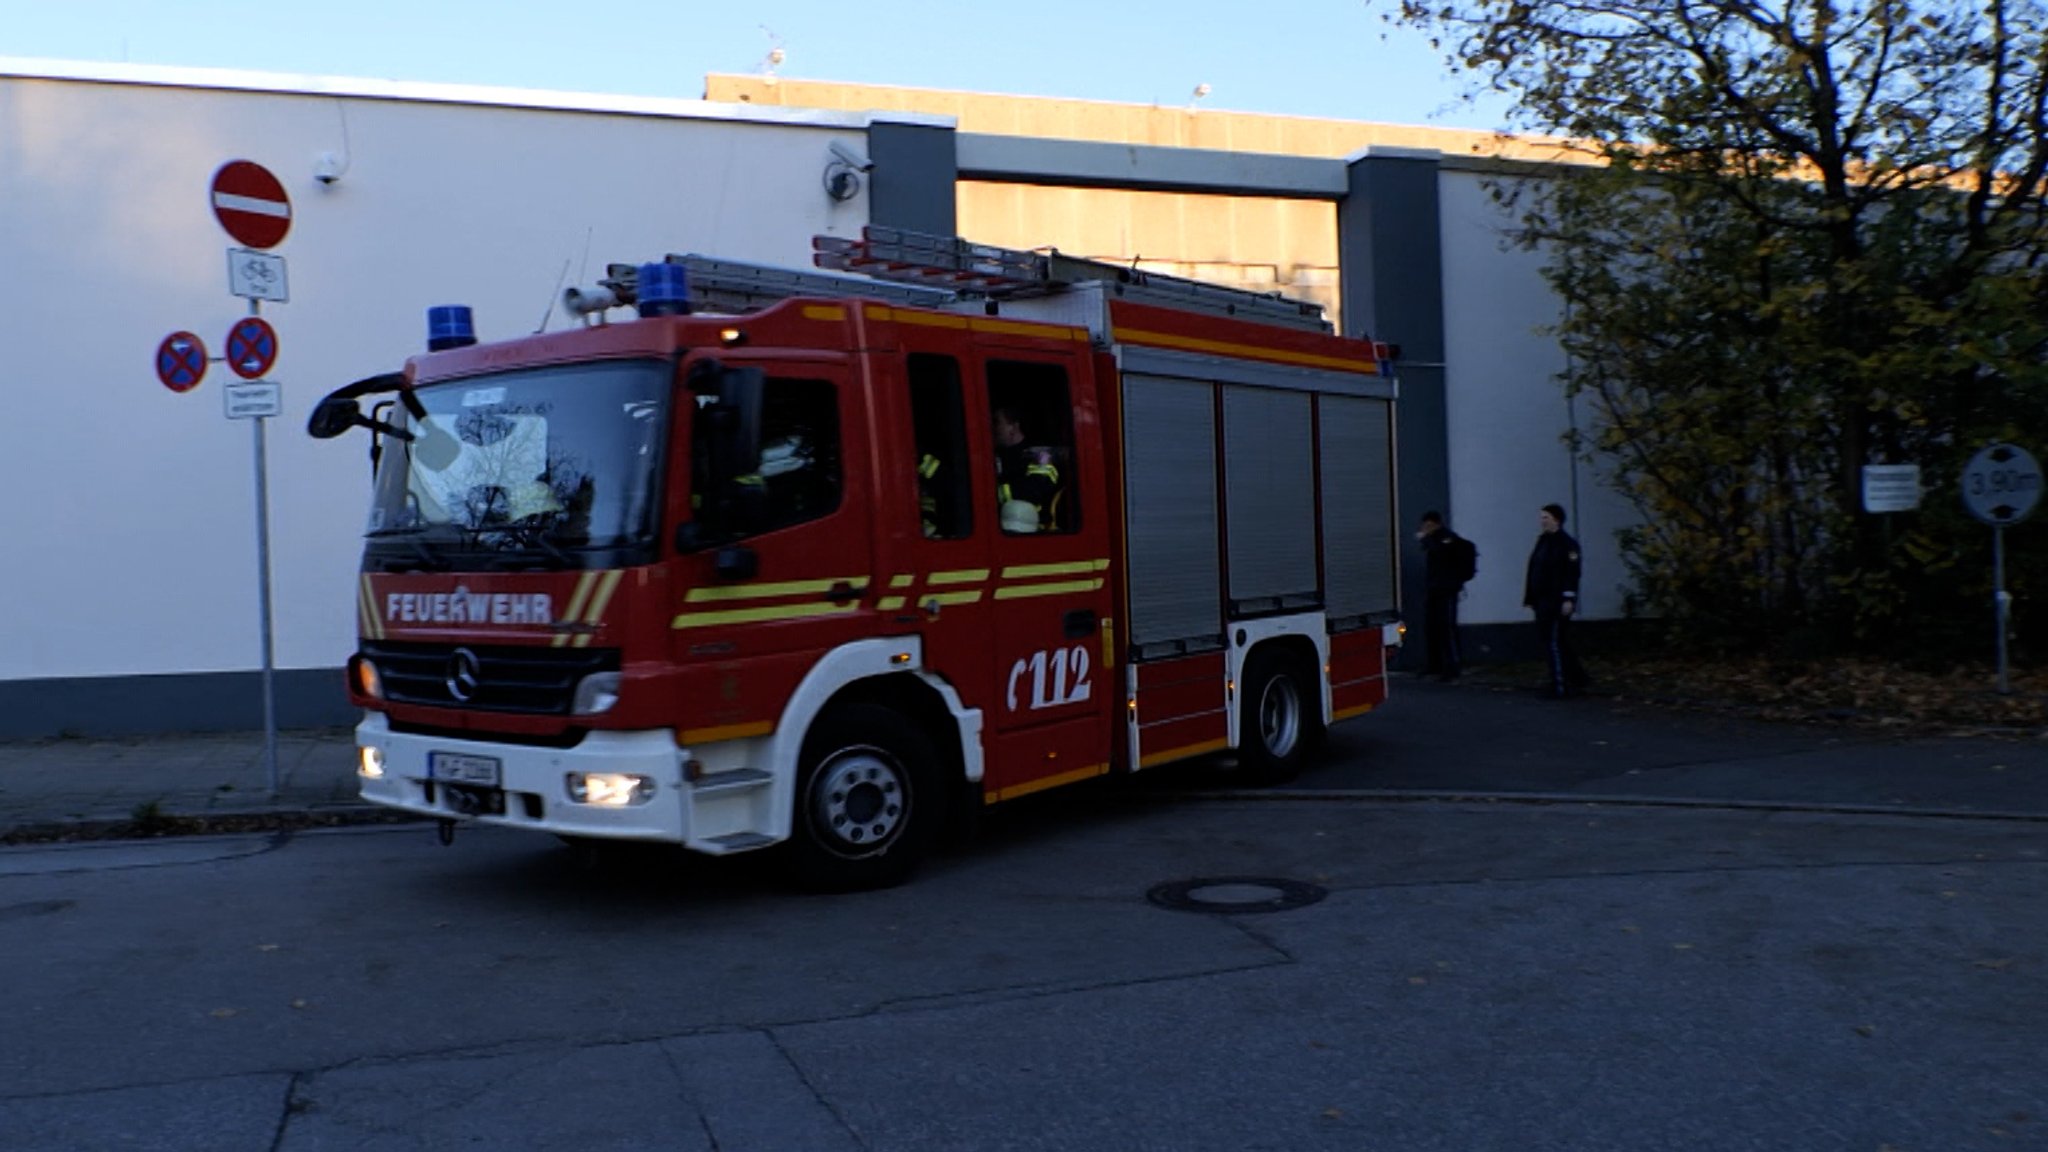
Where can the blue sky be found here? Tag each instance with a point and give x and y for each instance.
(1329, 58)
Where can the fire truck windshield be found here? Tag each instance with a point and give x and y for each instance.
(531, 466)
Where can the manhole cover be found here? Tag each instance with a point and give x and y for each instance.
(1235, 894)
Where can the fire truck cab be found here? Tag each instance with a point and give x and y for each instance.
(832, 561)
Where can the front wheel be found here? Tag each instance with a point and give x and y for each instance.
(867, 800)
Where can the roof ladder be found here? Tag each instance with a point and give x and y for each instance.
(733, 287)
(981, 269)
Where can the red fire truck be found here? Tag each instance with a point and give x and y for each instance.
(832, 559)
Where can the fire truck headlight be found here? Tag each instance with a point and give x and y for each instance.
(366, 678)
(609, 789)
(372, 766)
(596, 693)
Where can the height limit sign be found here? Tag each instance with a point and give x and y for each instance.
(2001, 484)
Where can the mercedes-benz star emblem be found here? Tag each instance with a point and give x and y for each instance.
(465, 675)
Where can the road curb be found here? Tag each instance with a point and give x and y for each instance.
(1610, 800)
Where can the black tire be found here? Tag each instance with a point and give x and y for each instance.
(868, 799)
(1279, 716)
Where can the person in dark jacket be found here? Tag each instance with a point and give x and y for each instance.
(1446, 567)
(1551, 590)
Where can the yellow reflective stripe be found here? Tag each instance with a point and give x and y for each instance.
(980, 324)
(1016, 328)
(1102, 565)
(1028, 571)
(945, 599)
(769, 591)
(1026, 591)
(931, 320)
(1182, 753)
(575, 609)
(902, 581)
(962, 576)
(725, 732)
(889, 603)
(607, 584)
(754, 615)
(1246, 351)
(1025, 789)
(823, 312)
(1348, 713)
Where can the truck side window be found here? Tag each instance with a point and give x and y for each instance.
(800, 469)
(939, 428)
(1032, 422)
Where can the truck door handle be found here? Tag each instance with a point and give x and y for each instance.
(842, 593)
(1079, 624)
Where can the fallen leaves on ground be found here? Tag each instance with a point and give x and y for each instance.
(1860, 693)
(159, 825)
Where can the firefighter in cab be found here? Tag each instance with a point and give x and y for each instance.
(1027, 478)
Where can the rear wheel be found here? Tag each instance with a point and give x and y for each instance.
(867, 801)
(1279, 718)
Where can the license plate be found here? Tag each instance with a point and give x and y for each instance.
(462, 768)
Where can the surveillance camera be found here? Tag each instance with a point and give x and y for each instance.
(328, 169)
(851, 158)
(842, 183)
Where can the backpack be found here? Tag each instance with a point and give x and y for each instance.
(1461, 557)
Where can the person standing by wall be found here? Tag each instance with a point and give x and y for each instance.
(1551, 590)
(1449, 561)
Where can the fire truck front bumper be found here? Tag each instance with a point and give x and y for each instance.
(610, 785)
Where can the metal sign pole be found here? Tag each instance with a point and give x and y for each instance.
(263, 595)
(2000, 486)
(2001, 600)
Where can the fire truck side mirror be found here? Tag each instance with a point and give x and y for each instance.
(333, 416)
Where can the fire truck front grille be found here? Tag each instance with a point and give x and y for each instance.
(490, 678)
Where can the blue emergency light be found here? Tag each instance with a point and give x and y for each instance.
(450, 326)
(663, 290)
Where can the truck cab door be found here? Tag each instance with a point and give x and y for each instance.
(936, 581)
(1053, 694)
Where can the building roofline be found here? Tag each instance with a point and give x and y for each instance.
(362, 88)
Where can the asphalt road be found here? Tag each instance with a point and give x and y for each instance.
(1475, 976)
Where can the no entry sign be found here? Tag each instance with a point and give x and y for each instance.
(181, 361)
(252, 347)
(251, 204)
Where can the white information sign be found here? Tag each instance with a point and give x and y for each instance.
(257, 275)
(253, 399)
(1891, 487)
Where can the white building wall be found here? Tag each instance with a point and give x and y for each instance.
(1507, 414)
(128, 525)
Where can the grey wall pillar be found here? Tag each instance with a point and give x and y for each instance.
(1390, 253)
(911, 185)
